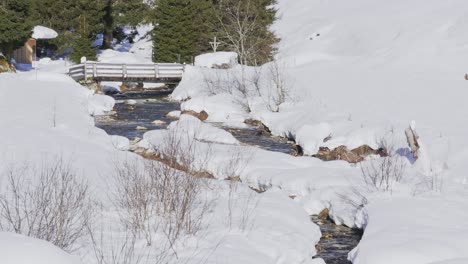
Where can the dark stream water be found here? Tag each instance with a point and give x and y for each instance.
(336, 240)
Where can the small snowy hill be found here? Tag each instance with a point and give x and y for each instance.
(401, 57)
(381, 62)
(18, 249)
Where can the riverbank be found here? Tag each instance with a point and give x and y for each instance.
(51, 118)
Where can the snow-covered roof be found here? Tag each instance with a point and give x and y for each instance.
(41, 32)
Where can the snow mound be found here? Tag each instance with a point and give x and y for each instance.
(18, 249)
(100, 104)
(211, 60)
(41, 32)
(113, 56)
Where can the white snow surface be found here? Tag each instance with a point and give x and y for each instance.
(18, 249)
(210, 60)
(48, 116)
(357, 72)
(41, 32)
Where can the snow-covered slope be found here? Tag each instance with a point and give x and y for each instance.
(46, 116)
(17, 249)
(379, 63)
(357, 72)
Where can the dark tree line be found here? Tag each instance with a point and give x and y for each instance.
(183, 28)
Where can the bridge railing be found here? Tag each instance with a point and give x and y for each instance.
(114, 71)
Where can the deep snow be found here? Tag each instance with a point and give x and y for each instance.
(358, 72)
(48, 116)
(355, 71)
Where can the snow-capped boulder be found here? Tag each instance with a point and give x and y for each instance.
(120, 143)
(217, 60)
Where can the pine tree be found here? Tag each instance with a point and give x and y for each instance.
(118, 13)
(182, 29)
(83, 48)
(15, 26)
(64, 16)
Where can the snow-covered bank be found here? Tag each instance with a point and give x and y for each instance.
(358, 73)
(49, 116)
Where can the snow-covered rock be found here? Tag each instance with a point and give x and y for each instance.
(100, 104)
(218, 59)
(120, 143)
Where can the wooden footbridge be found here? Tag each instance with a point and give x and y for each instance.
(168, 73)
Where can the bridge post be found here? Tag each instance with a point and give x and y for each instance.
(156, 71)
(94, 70)
(85, 72)
(124, 71)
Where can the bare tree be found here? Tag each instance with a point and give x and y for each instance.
(243, 27)
(49, 203)
(277, 92)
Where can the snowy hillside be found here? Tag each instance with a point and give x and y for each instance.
(359, 72)
(354, 75)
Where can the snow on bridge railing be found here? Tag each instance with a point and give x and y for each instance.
(158, 72)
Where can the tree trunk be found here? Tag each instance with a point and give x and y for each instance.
(412, 138)
(108, 38)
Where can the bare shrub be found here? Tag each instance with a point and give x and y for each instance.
(133, 195)
(382, 173)
(234, 166)
(155, 198)
(224, 81)
(179, 149)
(241, 209)
(214, 82)
(49, 203)
(255, 79)
(277, 93)
(432, 181)
(120, 249)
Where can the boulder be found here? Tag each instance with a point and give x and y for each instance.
(202, 115)
(262, 129)
(130, 102)
(132, 86)
(141, 128)
(324, 214)
(343, 153)
(5, 66)
(174, 114)
(159, 123)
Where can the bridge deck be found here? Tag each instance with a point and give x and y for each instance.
(156, 73)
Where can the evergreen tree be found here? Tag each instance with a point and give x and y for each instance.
(82, 48)
(118, 13)
(15, 26)
(181, 29)
(64, 16)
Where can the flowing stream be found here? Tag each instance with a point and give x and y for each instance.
(336, 240)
